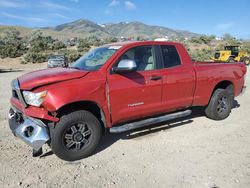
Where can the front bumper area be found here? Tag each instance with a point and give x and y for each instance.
(32, 111)
(32, 131)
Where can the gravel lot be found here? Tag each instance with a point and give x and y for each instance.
(192, 152)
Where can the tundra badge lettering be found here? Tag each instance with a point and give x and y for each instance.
(135, 104)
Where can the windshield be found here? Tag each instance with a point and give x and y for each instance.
(94, 59)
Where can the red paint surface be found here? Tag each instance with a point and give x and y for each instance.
(47, 76)
(190, 84)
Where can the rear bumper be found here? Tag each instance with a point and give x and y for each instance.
(30, 130)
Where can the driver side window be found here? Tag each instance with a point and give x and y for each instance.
(143, 56)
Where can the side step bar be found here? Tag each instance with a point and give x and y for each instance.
(150, 121)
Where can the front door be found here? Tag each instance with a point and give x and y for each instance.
(136, 94)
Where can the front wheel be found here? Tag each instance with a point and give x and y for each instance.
(76, 136)
(220, 105)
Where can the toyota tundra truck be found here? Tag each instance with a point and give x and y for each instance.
(117, 87)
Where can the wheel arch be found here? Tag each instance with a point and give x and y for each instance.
(231, 56)
(90, 106)
(224, 84)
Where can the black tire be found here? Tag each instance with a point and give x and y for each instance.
(230, 60)
(246, 60)
(220, 105)
(76, 135)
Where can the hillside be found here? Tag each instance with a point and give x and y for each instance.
(84, 28)
(25, 31)
(140, 29)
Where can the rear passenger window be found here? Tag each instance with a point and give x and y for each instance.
(170, 56)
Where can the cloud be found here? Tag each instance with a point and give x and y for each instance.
(60, 15)
(112, 6)
(54, 6)
(76, 1)
(225, 26)
(113, 3)
(129, 5)
(30, 19)
(13, 4)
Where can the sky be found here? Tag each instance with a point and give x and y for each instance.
(199, 16)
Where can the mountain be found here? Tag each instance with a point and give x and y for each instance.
(86, 28)
(128, 29)
(125, 29)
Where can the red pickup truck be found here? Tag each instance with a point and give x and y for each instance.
(117, 87)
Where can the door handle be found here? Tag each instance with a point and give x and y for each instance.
(155, 78)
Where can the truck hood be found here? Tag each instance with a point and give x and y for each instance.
(48, 76)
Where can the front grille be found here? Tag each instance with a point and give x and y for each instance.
(14, 94)
(217, 55)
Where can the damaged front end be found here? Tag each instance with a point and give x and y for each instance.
(32, 131)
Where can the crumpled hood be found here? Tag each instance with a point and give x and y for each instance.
(47, 76)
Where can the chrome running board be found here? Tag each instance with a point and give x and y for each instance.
(150, 121)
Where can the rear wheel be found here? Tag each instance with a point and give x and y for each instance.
(220, 105)
(76, 135)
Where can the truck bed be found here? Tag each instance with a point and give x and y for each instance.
(231, 72)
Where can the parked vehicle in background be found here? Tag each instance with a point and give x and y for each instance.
(231, 54)
(57, 61)
(118, 87)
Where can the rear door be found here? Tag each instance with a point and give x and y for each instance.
(136, 94)
(178, 79)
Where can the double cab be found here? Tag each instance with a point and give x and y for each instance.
(117, 87)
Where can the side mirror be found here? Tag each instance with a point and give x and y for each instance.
(125, 65)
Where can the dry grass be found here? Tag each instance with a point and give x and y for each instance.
(15, 64)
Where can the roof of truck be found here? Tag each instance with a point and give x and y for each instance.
(128, 43)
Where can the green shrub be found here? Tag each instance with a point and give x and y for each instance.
(246, 46)
(23, 62)
(71, 55)
(83, 45)
(201, 55)
(36, 57)
(11, 45)
(94, 41)
(12, 50)
(57, 45)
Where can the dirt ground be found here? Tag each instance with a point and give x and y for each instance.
(192, 152)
